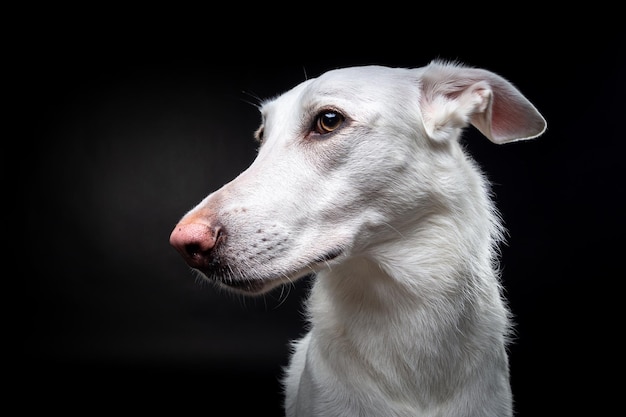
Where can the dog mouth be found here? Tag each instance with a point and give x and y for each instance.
(328, 256)
(239, 282)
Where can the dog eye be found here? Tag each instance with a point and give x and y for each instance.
(258, 135)
(328, 121)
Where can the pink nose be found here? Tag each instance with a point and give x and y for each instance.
(195, 242)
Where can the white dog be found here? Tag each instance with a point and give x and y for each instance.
(361, 179)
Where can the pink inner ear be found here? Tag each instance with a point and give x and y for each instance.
(514, 118)
(506, 117)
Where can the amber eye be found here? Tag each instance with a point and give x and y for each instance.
(328, 121)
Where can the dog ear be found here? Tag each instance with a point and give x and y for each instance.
(454, 96)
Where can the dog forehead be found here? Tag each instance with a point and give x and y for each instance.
(372, 83)
(359, 74)
(361, 83)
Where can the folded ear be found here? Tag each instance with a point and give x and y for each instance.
(454, 96)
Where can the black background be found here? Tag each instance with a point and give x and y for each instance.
(119, 132)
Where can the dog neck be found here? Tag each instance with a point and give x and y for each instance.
(360, 306)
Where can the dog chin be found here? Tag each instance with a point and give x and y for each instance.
(254, 286)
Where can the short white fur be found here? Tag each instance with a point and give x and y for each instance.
(406, 312)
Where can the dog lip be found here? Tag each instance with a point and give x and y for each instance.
(258, 286)
(328, 256)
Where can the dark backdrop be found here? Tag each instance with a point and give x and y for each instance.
(124, 133)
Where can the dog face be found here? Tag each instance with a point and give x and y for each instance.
(345, 160)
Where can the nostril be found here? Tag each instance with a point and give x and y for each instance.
(196, 242)
(192, 249)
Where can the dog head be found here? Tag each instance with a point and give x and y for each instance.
(345, 161)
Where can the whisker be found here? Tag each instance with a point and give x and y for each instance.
(258, 100)
(282, 297)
